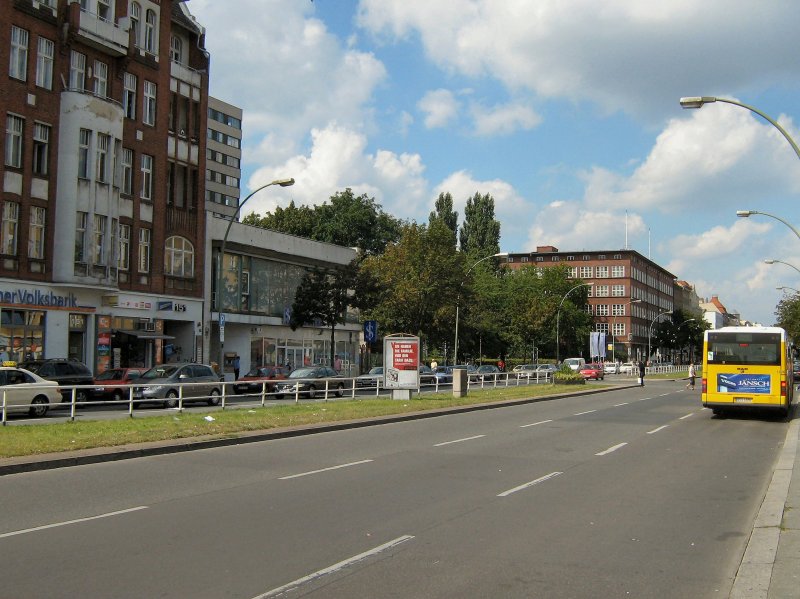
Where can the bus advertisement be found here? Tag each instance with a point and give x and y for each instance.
(747, 367)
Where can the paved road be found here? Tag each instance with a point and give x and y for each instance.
(635, 493)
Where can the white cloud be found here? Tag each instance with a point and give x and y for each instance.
(504, 119)
(440, 107)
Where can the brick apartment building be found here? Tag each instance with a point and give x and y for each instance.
(620, 278)
(102, 222)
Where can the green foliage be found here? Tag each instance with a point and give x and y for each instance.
(566, 376)
(681, 330)
(787, 313)
(443, 210)
(480, 232)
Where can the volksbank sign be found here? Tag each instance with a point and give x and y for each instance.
(35, 297)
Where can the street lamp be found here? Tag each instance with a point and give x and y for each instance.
(782, 288)
(748, 213)
(221, 265)
(650, 330)
(455, 345)
(558, 314)
(781, 262)
(699, 101)
(613, 326)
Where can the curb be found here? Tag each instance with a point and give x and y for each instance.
(127, 452)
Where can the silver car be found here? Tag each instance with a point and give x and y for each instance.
(163, 384)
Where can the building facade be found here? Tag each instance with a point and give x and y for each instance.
(103, 221)
(223, 158)
(628, 295)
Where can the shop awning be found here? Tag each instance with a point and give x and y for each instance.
(145, 334)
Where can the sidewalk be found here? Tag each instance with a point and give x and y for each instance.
(770, 568)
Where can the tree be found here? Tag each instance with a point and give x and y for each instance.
(682, 330)
(294, 220)
(443, 210)
(788, 315)
(480, 232)
(324, 295)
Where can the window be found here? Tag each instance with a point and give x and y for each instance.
(144, 250)
(41, 140)
(36, 233)
(601, 290)
(618, 290)
(129, 95)
(601, 310)
(44, 63)
(124, 255)
(178, 257)
(14, 128)
(602, 272)
(99, 234)
(176, 49)
(18, 61)
(77, 71)
(147, 177)
(617, 271)
(618, 310)
(572, 272)
(136, 23)
(619, 329)
(150, 32)
(601, 327)
(100, 79)
(83, 153)
(149, 108)
(127, 171)
(589, 308)
(81, 221)
(9, 231)
(102, 158)
(104, 10)
(586, 272)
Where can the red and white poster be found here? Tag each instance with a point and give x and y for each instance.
(401, 362)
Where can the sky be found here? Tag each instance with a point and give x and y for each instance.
(565, 111)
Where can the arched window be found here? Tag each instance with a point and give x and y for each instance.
(176, 49)
(150, 44)
(178, 257)
(136, 23)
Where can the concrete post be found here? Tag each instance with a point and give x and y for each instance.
(460, 382)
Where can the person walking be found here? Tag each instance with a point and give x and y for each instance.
(642, 370)
(236, 368)
(692, 375)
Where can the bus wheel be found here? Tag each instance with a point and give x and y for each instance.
(717, 411)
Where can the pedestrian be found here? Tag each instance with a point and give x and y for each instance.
(337, 364)
(236, 368)
(692, 375)
(501, 365)
(434, 364)
(642, 370)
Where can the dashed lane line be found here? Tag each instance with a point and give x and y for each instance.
(459, 440)
(67, 522)
(535, 423)
(612, 449)
(530, 484)
(324, 470)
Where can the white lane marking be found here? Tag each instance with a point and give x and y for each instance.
(530, 484)
(459, 440)
(645, 398)
(335, 567)
(624, 403)
(66, 522)
(687, 416)
(612, 449)
(655, 430)
(535, 423)
(665, 394)
(324, 470)
(582, 413)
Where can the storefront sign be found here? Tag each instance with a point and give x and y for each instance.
(115, 302)
(35, 297)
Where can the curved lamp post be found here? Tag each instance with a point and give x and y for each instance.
(699, 101)
(455, 345)
(221, 265)
(782, 288)
(676, 336)
(781, 262)
(558, 315)
(748, 213)
(650, 331)
(613, 326)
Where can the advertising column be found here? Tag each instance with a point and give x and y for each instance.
(401, 365)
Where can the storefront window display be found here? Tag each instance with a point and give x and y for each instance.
(21, 334)
(294, 353)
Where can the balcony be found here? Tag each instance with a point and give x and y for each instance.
(103, 35)
(186, 74)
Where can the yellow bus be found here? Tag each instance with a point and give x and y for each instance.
(747, 367)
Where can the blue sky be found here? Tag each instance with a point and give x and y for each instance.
(566, 111)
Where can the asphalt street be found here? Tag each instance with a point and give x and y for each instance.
(632, 493)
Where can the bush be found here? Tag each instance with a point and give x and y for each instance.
(566, 376)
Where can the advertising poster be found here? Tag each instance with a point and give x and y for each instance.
(401, 362)
(743, 383)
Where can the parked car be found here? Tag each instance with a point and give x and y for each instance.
(444, 375)
(628, 368)
(611, 367)
(575, 363)
(111, 383)
(66, 373)
(309, 381)
(163, 384)
(546, 369)
(25, 391)
(532, 371)
(254, 380)
(593, 371)
(426, 375)
(371, 378)
(796, 370)
(488, 373)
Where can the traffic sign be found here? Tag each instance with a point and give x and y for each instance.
(370, 331)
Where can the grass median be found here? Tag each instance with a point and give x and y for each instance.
(90, 434)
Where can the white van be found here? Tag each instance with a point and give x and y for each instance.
(575, 363)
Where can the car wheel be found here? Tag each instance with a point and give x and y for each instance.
(214, 400)
(81, 396)
(118, 396)
(39, 406)
(340, 390)
(312, 392)
(172, 400)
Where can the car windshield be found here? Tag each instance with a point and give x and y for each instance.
(258, 372)
(303, 373)
(109, 375)
(160, 372)
(486, 369)
(376, 370)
